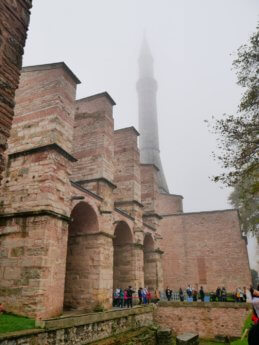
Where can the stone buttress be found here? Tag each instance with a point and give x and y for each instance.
(35, 199)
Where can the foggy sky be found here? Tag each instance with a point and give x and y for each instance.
(191, 42)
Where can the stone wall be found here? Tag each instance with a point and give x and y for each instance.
(204, 248)
(14, 21)
(209, 320)
(101, 328)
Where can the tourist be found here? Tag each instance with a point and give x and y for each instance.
(2, 310)
(116, 295)
(218, 294)
(148, 296)
(144, 295)
(224, 294)
(157, 295)
(140, 295)
(120, 299)
(130, 292)
(168, 293)
(202, 294)
(194, 295)
(181, 294)
(125, 297)
(189, 291)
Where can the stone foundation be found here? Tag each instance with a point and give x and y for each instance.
(107, 328)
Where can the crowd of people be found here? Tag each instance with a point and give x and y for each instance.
(190, 292)
(124, 298)
(220, 294)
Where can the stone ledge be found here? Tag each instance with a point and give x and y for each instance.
(18, 334)
(124, 213)
(211, 305)
(38, 213)
(98, 179)
(49, 66)
(85, 190)
(44, 148)
(84, 319)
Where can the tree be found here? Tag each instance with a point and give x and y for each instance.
(238, 137)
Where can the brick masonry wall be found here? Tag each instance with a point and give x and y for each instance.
(169, 204)
(44, 111)
(149, 188)
(32, 271)
(44, 115)
(127, 165)
(14, 21)
(209, 320)
(204, 248)
(93, 139)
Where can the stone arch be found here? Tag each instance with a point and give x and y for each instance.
(150, 265)
(81, 257)
(123, 262)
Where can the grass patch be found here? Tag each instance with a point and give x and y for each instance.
(248, 324)
(12, 323)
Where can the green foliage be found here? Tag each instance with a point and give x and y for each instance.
(238, 137)
(247, 325)
(243, 198)
(12, 323)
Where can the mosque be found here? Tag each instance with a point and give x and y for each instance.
(83, 208)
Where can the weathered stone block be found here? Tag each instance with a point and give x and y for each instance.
(187, 339)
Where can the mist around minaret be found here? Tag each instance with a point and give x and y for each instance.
(147, 114)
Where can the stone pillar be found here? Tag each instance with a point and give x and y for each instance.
(35, 209)
(14, 21)
(138, 257)
(149, 194)
(90, 272)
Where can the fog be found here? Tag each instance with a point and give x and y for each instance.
(191, 42)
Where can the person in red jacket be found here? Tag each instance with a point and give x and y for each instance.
(148, 296)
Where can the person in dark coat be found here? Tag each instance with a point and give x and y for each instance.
(130, 292)
(194, 295)
(168, 293)
(218, 294)
(181, 294)
(140, 295)
(202, 294)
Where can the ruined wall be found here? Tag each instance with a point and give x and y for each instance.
(14, 21)
(204, 248)
(209, 320)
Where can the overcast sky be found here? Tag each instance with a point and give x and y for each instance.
(191, 42)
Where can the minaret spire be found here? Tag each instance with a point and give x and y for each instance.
(148, 125)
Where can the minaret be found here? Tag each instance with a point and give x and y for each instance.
(148, 126)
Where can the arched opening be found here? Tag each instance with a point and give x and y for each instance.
(122, 256)
(82, 258)
(150, 265)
